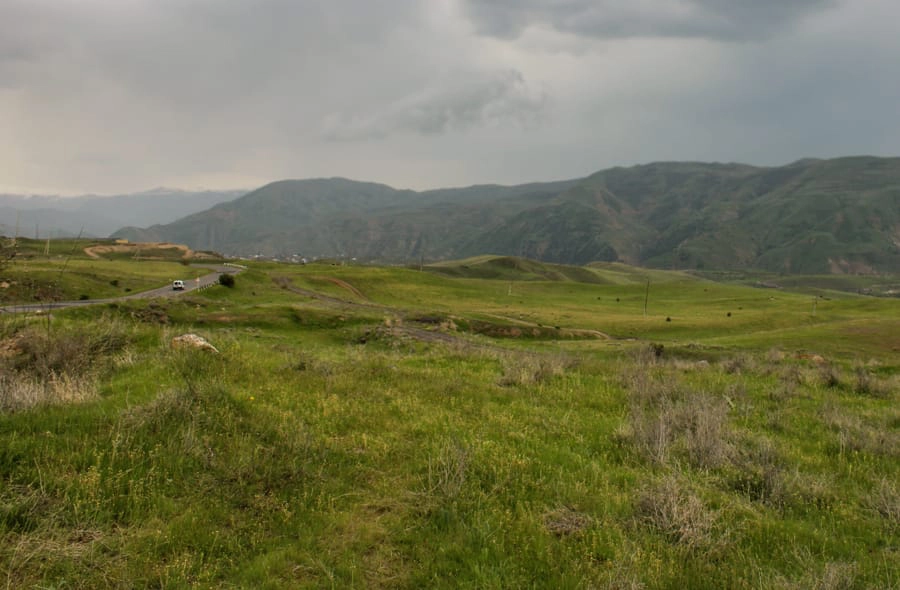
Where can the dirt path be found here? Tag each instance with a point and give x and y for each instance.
(285, 283)
(343, 285)
(528, 324)
(97, 251)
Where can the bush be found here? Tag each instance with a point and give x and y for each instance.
(57, 366)
(226, 280)
(674, 510)
(666, 419)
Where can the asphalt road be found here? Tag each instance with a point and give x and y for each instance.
(167, 291)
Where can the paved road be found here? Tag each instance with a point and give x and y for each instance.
(167, 291)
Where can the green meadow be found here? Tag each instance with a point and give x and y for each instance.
(487, 423)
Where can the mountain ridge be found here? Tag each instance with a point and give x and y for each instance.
(101, 215)
(810, 216)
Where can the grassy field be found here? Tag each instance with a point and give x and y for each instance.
(524, 426)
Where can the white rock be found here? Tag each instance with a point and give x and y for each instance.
(192, 341)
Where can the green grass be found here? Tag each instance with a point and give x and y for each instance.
(333, 443)
(67, 273)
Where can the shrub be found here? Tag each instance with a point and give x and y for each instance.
(226, 280)
(867, 383)
(830, 376)
(759, 472)
(737, 364)
(706, 431)
(20, 392)
(48, 354)
(649, 354)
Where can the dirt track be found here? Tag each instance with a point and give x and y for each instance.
(402, 330)
(136, 248)
(343, 285)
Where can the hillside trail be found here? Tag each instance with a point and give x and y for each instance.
(343, 285)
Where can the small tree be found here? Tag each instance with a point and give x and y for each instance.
(226, 280)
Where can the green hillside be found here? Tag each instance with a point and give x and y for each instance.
(514, 269)
(493, 422)
(838, 216)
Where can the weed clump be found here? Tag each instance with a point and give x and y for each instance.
(532, 369)
(650, 354)
(56, 366)
(309, 362)
(447, 473)
(677, 512)
(834, 576)
(759, 473)
(885, 501)
(867, 383)
(738, 364)
(665, 419)
(830, 376)
(566, 521)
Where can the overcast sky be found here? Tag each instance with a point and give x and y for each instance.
(112, 96)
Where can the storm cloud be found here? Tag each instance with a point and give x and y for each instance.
(726, 20)
(494, 99)
(116, 95)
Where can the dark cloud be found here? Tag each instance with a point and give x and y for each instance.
(730, 20)
(469, 101)
(117, 95)
(195, 51)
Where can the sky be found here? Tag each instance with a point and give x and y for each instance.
(114, 96)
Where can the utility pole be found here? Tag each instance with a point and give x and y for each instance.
(646, 296)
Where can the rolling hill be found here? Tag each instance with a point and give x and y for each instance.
(812, 216)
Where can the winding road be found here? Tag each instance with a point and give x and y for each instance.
(167, 291)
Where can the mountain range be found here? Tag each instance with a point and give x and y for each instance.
(43, 216)
(812, 216)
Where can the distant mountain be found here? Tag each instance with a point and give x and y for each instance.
(99, 216)
(812, 216)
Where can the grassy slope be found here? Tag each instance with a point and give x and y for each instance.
(66, 273)
(301, 457)
(61, 281)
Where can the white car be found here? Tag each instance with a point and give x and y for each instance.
(178, 285)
